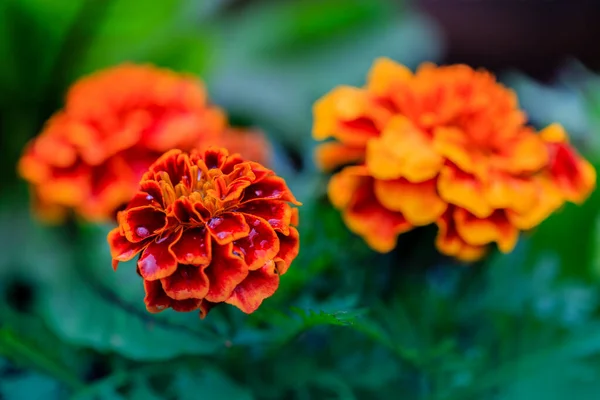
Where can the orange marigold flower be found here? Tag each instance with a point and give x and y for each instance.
(445, 145)
(115, 123)
(210, 228)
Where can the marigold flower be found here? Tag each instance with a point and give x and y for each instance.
(115, 123)
(210, 228)
(445, 145)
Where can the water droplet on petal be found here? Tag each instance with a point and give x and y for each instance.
(149, 198)
(256, 222)
(258, 192)
(142, 231)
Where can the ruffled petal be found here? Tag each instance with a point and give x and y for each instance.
(404, 151)
(228, 227)
(187, 282)
(141, 223)
(378, 226)
(261, 244)
(194, 247)
(289, 247)
(224, 273)
(464, 190)
(121, 249)
(156, 299)
(481, 231)
(158, 260)
(277, 213)
(418, 202)
(270, 188)
(332, 155)
(258, 285)
(450, 243)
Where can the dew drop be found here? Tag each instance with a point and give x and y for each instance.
(214, 222)
(142, 231)
(222, 235)
(258, 192)
(149, 197)
(264, 243)
(256, 222)
(237, 253)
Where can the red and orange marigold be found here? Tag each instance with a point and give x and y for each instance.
(209, 228)
(445, 145)
(91, 154)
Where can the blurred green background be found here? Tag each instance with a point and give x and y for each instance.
(346, 323)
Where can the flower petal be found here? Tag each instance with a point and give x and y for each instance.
(157, 260)
(464, 190)
(574, 175)
(261, 244)
(289, 247)
(350, 115)
(403, 150)
(332, 155)
(225, 272)
(141, 223)
(257, 286)
(194, 247)
(277, 213)
(481, 231)
(187, 282)
(228, 227)
(272, 187)
(156, 299)
(378, 226)
(186, 305)
(205, 306)
(344, 184)
(418, 202)
(122, 249)
(548, 199)
(450, 243)
(386, 76)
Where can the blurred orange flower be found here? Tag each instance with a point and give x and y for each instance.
(91, 155)
(210, 228)
(445, 145)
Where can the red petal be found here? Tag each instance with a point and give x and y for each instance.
(187, 212)
(121, 249)
(152, 189)
(225, 272)
(193, 247)
(176, 164)
(157, 260)
(259, 285)
(232, 161)
(156, 299)
(143, 222)
(272, 187)
(228, 227)
(277, 213)
(289, 246)
(261, 244)
(185, 305)
(188, 282)
(205, 307)
(215, 157)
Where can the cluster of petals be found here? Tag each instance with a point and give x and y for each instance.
(91, 154)
(209, 228)
(447, 146)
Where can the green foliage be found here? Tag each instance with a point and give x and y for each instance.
(345, 323)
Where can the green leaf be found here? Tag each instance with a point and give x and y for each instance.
(209, 384)
(96, 307)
